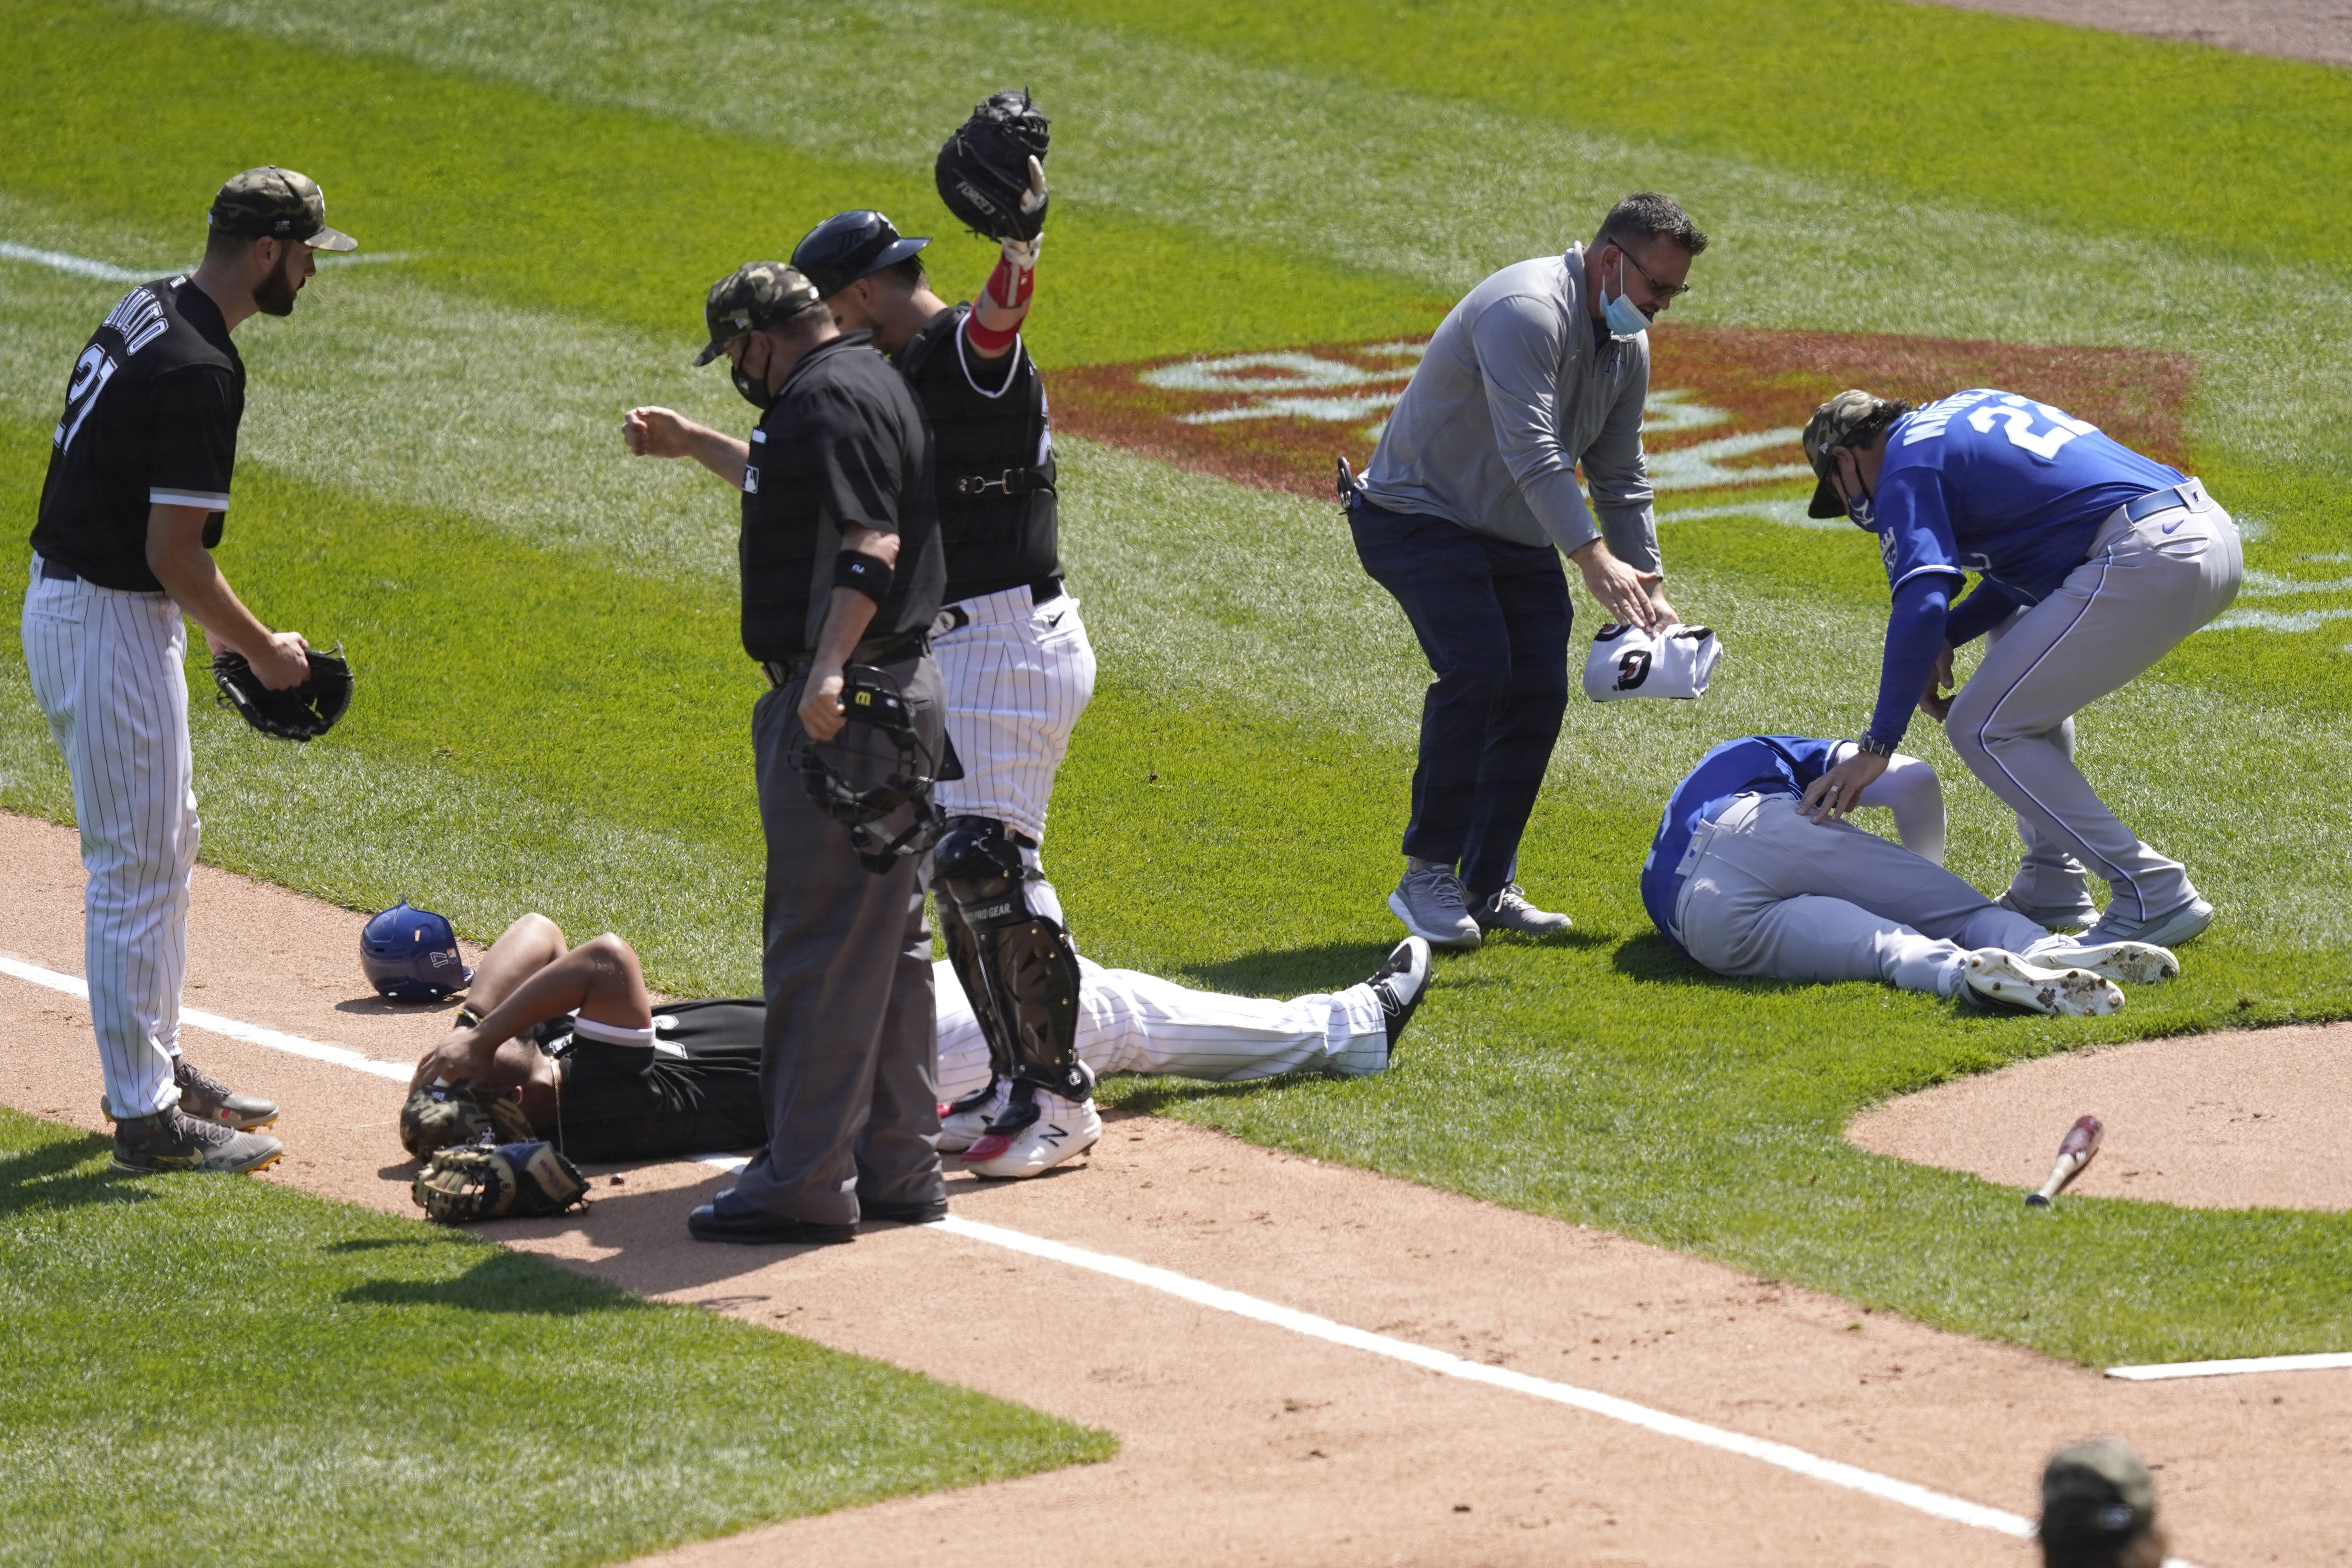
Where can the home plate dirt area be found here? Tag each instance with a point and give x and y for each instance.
(1248, 1434)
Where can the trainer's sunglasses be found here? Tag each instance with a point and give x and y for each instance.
(1661, 291)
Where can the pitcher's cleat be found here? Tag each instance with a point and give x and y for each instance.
(1509, 911)
(1399, 985)
(173, 1140)
(1428, 901)
(1995, 976)
(2167, 930)
(2051, 916)
(1037, 1131)
(2125, 963)
(207, 1099)
(964, 1122)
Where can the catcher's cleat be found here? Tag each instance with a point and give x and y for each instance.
(2004, 979)
(964, 1122)
(173, 1140)
(2126, 963)
(1037, 1131)
(1509, 911)
(1428, 901)
(207, 1099)
(1399, 983)
(2176, 925)
(2051, 916)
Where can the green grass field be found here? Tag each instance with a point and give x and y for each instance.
(554, 713)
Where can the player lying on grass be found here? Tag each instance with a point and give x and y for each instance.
(1742, 880)
(634, 1085)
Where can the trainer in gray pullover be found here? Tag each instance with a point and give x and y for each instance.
(1518, 387)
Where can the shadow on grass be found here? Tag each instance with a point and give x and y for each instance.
(1652, 958)
(501, 1282)
(1293, 972)
(43, 1177)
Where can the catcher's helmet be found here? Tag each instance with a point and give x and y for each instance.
(875, 772)
(847, 246)
(411, 956)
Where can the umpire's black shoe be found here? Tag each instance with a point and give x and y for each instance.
(730, 1218)
(929, 1213)
(207, 1099)
(174, 1141)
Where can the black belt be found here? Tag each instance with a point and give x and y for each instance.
(2168, 499)
(955, 617)
(874, 651)
(1010, 482)
(58, 571)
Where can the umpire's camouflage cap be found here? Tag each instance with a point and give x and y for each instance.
(2097, 1489)
(271, 203)
(1836, 424)
(437, 1118)
(756, 294)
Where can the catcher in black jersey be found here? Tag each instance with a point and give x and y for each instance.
(1012, 650)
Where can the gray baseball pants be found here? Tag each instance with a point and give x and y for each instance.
(1768, 895)
(2147, 585)
(848, 1068)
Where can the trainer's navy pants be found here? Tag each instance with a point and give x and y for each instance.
(1493, 618)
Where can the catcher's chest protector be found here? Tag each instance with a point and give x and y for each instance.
(993, 457)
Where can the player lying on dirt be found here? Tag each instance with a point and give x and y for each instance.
(623, 1081)
(1745, 881)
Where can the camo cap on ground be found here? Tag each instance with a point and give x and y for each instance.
(756, 294)
(271, 203)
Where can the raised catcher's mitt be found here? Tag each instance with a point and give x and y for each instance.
(513, 1180)
(298, 713)
(983, 170)
(438, 1118)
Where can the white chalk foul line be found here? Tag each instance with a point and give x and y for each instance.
(106, 271)
(212, 1023)
(1781, 1456)
(2158, 1371)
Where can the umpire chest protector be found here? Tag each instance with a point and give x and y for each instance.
(995, 459)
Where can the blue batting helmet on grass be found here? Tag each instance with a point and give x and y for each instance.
(411, 956)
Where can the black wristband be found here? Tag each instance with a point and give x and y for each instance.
(1873, 745)
(863, 573)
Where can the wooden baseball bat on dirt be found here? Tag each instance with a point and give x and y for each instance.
(2082, 1142)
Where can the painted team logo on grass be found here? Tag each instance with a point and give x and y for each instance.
(1726, 405)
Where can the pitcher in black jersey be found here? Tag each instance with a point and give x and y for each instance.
(1013, 656)
(137, 489)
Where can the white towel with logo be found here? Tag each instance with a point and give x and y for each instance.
(1627, 662)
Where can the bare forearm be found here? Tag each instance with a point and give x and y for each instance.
(185, 568)
(722, 454)
(847, 615)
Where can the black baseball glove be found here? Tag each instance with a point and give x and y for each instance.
(513, 1180)
(298, 713)
(992, 172)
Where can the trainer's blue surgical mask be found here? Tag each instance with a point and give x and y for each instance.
(1621, 316)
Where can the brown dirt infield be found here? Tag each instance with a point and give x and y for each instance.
(1243, 1442)
(2317, 30)
(2248, 1119)
(1309, 404)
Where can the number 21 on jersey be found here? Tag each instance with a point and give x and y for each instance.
(91, 374)
(2019, 415)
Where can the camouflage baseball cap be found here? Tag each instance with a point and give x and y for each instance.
(756, 294)
(440, 1118)
(1834, 423)
(2096, 1488)
(271, 203)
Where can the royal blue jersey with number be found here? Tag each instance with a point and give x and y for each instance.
(1753, 764)
(1989, 482)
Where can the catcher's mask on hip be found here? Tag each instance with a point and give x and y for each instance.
(875, 772)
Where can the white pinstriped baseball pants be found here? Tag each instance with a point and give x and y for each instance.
(107, 671)
(2148, 584)
(1133, 1022)
(1017, 677)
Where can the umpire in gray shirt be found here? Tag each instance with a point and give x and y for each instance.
(1469, 502)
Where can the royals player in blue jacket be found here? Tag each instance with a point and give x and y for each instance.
(2091, 562)
(1742, 880)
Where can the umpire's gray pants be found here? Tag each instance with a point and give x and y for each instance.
(1768, 895)
(2147, 585)
(848, 1068)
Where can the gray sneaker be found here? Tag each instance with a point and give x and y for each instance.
(173, 1140)
(2167, 930)
(1429, 901)
(1509, 911)
(2052, 917)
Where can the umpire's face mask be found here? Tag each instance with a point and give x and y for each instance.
(754, 388)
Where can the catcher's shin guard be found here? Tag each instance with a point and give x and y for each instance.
(971, 973)
(1028, 970)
